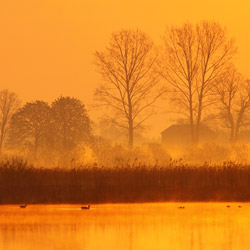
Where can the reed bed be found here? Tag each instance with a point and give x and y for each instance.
(22, 183)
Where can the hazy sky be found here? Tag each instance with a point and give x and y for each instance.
(47, 46)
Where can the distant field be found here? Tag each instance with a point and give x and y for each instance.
(21, 183)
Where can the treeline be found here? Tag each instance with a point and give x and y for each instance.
(63, 125)
(39, 127)
(22, 183)
(193, 69)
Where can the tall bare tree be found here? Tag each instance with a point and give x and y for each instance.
(9, 103)
(216, 51)
(129, 88)
(179, 67)
(234, 95)
(194, 58)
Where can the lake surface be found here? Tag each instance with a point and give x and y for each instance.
(126, 227)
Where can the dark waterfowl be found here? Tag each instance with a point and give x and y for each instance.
(239, 206)
(23, 206)
(181, 207)
(85, 207)
(228, 206)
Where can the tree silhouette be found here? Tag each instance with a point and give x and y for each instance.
(9, 103)
(234, 101)
(129, 79)
(29, 126)
(194, 59)
(70, 122)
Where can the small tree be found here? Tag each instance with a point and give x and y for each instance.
(71, 124)
(29, 126)
(234, 96)
(129, 79)
(9, 103)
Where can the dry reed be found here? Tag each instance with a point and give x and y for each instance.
(22, 183)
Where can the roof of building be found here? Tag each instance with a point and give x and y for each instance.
(177, 128)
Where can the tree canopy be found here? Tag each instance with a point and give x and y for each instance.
(70, 121)
(29, 126)
(61, 126)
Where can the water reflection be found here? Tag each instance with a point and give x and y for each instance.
(125, 226)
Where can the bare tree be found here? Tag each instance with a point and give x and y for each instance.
(127, 68)
(179, 67)
(216, 51)
(194, 58)
(234, 95)
(9, 103)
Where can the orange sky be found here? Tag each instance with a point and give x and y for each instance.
(46, 46)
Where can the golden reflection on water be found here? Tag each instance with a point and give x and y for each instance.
(126, 227)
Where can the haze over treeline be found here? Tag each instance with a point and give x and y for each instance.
(191, 72)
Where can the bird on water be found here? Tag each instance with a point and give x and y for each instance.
(85, 207)
(23, 206)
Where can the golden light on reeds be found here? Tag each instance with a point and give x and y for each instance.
(24, 184)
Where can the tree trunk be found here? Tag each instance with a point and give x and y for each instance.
(3, 125)
(236, 135)
(192, 131)
(238, 124)
(232, 135)
(1, 144)
(191, 119)
(130, 126)
(197, 134)
(131, 134)
(130, 119)
(198, 123)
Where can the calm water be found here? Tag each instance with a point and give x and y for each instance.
(126, 226)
